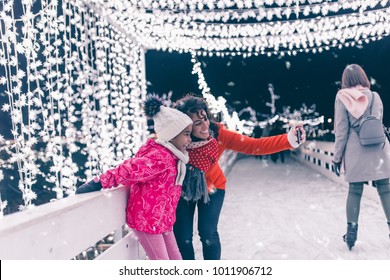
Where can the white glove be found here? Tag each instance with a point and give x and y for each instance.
(292, 136)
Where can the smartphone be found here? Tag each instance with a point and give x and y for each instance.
(299, 133)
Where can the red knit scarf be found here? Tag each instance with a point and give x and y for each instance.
(203, 154)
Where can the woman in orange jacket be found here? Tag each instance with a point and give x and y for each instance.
(204, 184)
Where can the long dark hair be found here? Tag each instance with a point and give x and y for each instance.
(191, 104)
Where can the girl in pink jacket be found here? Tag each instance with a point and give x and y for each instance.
(154, 176)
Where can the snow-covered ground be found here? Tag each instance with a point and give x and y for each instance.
(287, 211)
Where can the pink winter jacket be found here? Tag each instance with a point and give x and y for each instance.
(153, 197)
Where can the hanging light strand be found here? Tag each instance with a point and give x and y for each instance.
(263, 13)
(201, 5)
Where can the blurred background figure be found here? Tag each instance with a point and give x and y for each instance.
(277, 129)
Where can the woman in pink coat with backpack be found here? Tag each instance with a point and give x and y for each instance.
(360, 162)
(154, 176)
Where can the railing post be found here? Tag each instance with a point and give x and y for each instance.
(312, 152)
(118, 234)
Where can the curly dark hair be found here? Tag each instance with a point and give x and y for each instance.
(191, 104)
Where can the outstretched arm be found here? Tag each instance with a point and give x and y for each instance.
(130, 171)
(133, 170)
(261, 146)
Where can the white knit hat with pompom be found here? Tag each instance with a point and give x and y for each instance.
(168, 122)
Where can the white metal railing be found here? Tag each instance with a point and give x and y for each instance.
(65, 228)
(318, 155)
(227, 160)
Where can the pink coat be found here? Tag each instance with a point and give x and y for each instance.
(153, 198)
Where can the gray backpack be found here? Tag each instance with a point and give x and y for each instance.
(370, 129)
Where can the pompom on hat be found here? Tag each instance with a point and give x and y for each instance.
(168, 122)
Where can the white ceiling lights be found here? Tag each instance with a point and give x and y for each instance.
(250, 26)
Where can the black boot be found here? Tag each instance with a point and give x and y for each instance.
(351, 235)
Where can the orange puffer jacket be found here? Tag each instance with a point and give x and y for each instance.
(230, 140)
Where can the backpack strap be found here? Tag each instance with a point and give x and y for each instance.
(386, 133)
(372, 101)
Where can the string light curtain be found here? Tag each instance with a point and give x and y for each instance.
(73, 71)
(74, 86)
(217, 105)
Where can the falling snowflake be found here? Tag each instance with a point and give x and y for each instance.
(372, 81)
